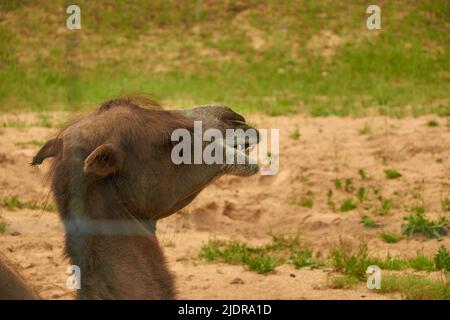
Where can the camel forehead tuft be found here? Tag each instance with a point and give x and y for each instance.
(133, 102)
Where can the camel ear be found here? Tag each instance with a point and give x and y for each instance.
(50, 149)
(104, 161)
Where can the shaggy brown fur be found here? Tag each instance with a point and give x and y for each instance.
(12, 286)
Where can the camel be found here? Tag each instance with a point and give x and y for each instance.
(12, 285)
(112, 179)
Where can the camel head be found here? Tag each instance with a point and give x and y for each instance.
(116, 162)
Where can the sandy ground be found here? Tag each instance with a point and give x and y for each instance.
(245, 209)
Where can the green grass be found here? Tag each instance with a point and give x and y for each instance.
(304, 179)
(355, 263)
(413, 287)
(330, 202)
(296, 134)
(442, 259)
(369, 222)
(306, 202)
(390, 237)
(349, 185)
(283, 249)
(2, 226)
(445, 204)
(260, 263)
(33, 142)
(419, 224)
(366, 129)
(392, 174)
(337, 184)
(353, 266)
(399, 70)
(342, 282)
(362, 174)
(44, 121)
(418, 209)
(361, 195)
(14, 202)
(255, 259)
(302, 258)
(432, 123)
(422, 263)
(385, 207)
(347, 205)
(18, 124)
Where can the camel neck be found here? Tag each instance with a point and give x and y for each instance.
(115, 264)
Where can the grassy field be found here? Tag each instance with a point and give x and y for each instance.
(279, 57)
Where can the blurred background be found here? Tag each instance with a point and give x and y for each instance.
(278, 57)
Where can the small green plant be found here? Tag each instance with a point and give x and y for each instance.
(421, 263)
(2, 226)
(376, 191)
(392, 174)
(368, 222)
(418, 209)
(445, 204)
(348, 185)
(284, 248)
(366, 129)
(385, 207)
(418, 223)
(442, 259)
(337, 184)
(362, 174)
(11, 203)
(361, 195)
(390, 237)
(302, 258)
(306, 202)
(211, 250)
(342, 282)
(390, 263)
(347, 205)
(432, 123)
(16, 123)
(44, 121)
(15, 203)
(296, 134)
(354, 265)
(413, 287)
(261, 263)
(330, 201)
(304, 179)
(283, 241)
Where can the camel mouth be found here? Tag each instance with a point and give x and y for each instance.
(249, 166)
(245, 147)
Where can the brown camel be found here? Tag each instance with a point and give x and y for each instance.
(112, 178)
